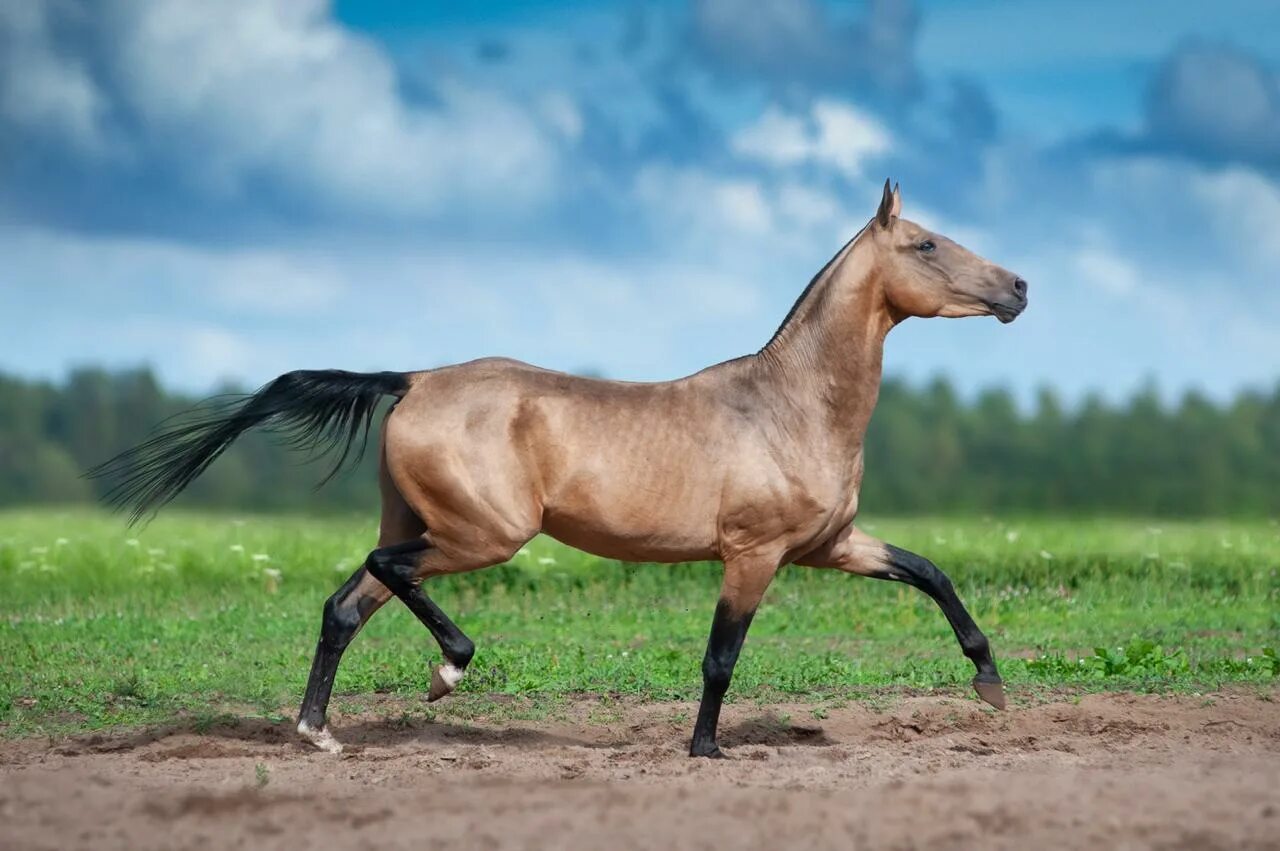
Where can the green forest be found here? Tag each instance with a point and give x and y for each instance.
(928, 451)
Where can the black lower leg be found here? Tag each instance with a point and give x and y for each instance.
(394, 567)
(918, 571)
(344, 613)
(727, 633)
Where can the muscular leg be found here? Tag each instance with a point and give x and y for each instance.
(855, 552)
(400, 568)
(344, 614)
(396, 569)
(745, 581)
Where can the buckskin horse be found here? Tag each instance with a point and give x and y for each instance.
(755, 462)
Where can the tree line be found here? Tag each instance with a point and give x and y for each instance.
(928, 451)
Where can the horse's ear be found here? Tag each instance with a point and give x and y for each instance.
(889, 206)
(896, 209)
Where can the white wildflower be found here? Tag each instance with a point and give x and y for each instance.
(260, 557)
(1011, 536)
(546, 560)
(1046, 555)
(237, 548)
(131, 542)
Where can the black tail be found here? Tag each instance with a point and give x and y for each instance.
(313, 409)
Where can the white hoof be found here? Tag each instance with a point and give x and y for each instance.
(321, 737)
(444, 679)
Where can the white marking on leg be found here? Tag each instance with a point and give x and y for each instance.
(321, 737)
(451, 674)
(443, 680)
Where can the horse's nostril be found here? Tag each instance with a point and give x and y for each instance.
(1020, 287)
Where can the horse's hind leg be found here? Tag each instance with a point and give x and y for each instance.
(394, 569)
(401, 568)
(344, 614)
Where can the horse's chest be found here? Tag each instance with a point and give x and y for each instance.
(835, 495)
(795, 510)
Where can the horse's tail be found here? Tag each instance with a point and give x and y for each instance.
(312, 409)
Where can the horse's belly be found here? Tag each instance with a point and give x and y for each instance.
(627, 537)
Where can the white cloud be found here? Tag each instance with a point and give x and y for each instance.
(42, 89)
(238, 93)
(832, 134)
(563, 114)
(743, 222)
(201, 316)
(699, 204)
(1106, 272)
(1244, 210)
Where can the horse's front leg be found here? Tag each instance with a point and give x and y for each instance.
(745, 581)
(856, 552)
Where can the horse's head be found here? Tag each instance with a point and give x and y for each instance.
(925, 274)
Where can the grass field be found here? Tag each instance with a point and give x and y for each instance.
(200, 615)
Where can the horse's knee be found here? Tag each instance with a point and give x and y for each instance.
(906, 566)
(379, 565)
(716, 673)
(392, 569)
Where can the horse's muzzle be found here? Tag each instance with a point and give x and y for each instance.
(1012, 305)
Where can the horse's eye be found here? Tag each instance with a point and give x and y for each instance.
(927, 246)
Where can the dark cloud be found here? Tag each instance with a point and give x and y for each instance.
(1215, 103)
(798, 44)
(1209, 103)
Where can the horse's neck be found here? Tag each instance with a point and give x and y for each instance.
(827, 357)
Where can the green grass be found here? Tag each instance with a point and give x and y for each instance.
(102, 626)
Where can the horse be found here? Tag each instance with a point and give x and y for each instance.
(756, 462)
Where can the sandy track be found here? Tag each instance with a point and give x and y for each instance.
(1109, 771)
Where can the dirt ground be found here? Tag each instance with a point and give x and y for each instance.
(1112, 771)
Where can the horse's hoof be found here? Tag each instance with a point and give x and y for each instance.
(444, 679)
(320, 737)
(714, 753)
(992, 691)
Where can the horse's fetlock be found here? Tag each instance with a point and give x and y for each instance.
(462, 651)
(977, 648)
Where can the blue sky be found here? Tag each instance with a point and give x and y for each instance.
(231, 190)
